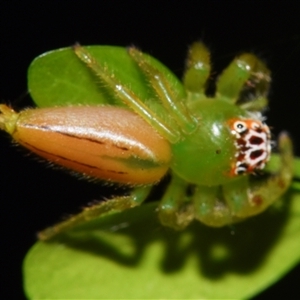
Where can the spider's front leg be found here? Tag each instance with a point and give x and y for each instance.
(242, 198)
(245, 82)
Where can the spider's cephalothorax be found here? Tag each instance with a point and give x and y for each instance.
(211, 145)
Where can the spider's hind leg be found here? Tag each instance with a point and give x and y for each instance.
(163, 124)
(117, 204)
(173, 102)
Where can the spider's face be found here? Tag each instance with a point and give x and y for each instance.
(253, 145)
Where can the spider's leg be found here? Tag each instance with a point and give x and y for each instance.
(117, 204)
(210, 208)
(172, 102)
(197, 70)
(246, 73)
(175, 209)
(171, 133)
(246, 198)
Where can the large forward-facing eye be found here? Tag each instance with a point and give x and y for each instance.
(240, 126)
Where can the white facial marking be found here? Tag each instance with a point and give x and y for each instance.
(253, 144)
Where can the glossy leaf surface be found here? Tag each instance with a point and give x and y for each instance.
(59, 78)
(130, 255)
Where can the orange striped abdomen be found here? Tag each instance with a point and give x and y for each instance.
(104, 142)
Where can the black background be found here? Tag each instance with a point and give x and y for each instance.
(33, 196)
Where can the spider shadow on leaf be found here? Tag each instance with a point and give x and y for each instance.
(125, 238)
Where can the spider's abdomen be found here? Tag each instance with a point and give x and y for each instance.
(228, 142)
(108, 143)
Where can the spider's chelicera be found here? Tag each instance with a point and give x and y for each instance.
(253, 143)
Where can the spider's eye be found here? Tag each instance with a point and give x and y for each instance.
(240, 126)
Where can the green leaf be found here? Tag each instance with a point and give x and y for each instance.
(129, 255)
(59, 78)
